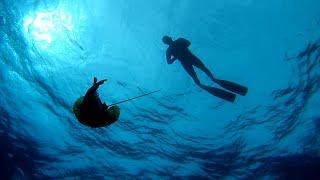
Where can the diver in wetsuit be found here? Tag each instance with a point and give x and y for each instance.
(91, 112)
(178, 49)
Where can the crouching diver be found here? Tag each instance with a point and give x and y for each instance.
(91, 112)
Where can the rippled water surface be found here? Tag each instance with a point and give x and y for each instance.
(50, 51)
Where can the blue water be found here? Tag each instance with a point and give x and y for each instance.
(50, 51)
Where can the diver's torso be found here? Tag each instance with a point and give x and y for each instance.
(93, 120)
(180, 51)
(92, 114)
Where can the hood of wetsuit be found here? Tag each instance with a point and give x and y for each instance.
(167, 40)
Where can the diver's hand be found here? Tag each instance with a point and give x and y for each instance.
(101, 82)
(98, 83)
(95, 80)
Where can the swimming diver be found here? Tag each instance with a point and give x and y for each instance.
(178, 49)
(91, 112)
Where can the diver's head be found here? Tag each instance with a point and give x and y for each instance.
(167, 40)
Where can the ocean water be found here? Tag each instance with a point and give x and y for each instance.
(50, 50)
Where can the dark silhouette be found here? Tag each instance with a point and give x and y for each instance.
(2, 20)
(91, 112)
(178, 49)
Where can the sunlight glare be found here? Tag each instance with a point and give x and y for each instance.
(48, 26)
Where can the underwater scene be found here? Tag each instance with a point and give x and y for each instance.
(159, 89)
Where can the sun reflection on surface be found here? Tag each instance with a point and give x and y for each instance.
(47, 27)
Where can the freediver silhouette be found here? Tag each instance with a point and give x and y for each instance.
(178, 50)
(90, 111)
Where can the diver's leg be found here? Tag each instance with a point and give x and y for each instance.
(212, 90)
(202, 67)
(190, 70)
(231, 86)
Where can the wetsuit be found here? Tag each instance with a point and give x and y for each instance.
(179, 50)
(93, 112)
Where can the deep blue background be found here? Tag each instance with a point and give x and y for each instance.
(50, 50)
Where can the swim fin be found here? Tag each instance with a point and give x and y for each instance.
(220, 93)
(234, 87)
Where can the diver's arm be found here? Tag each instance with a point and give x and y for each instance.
(93, 89)
(170, 60)
(188, 43)
(91, 93)
(98, 83)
